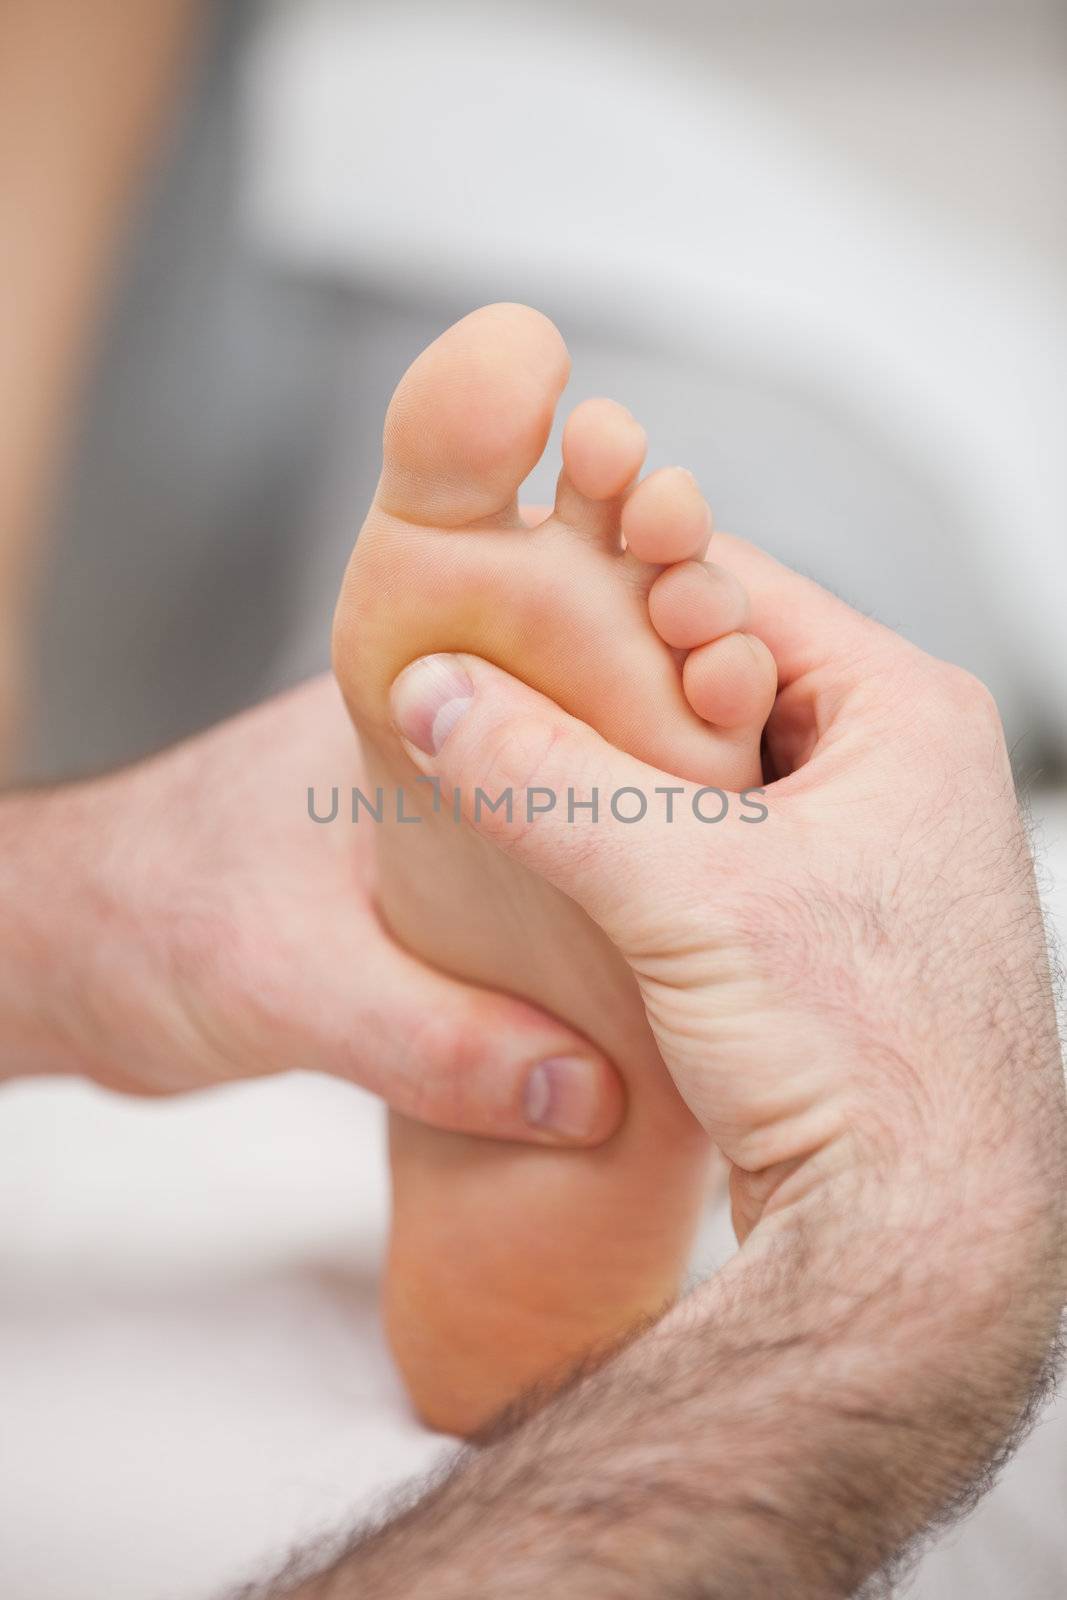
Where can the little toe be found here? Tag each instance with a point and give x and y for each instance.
(694, 602)
(731, 682)
(603, 449)
(666, 518)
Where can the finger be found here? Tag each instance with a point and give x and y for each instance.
(468, 1059)
(804, 625)
(541, 785)
(533, 516)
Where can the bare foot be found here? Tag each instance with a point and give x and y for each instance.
(507, 1263)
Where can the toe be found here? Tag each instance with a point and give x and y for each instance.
(695, 602)
(532, 516)
(603, 448)
(731, 682)
(471, 417)
(666, 518)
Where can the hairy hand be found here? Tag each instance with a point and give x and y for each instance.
(185, 922)
(854, 997)
(854, 984)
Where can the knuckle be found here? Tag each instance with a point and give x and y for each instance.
(528, 753)
(969, 728)
(522, 752)
(447, 1050)
(970, 695)
(949, 705)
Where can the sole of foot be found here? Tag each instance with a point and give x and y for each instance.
(508, 1263)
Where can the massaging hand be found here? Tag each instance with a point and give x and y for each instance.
(825, 982)
(184, 922)
(853, 996)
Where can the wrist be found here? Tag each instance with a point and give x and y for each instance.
(40, 992)
(68, 947)
(946, 1277)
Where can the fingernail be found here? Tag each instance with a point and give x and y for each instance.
(562, 1097)
(428, 699)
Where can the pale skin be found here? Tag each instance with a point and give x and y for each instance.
(183, 923)
(84, 92)
(854, 1000)
(41, 354)
(503, 1270)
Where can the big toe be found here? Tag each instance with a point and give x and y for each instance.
(471, 416)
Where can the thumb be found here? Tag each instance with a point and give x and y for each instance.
(540, 785)
(471, 1060)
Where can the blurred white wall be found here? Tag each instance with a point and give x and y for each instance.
(819, 245)
(857, 207)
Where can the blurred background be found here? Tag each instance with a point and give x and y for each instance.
(820, 248)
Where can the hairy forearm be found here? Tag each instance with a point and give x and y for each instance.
(790, 1428)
